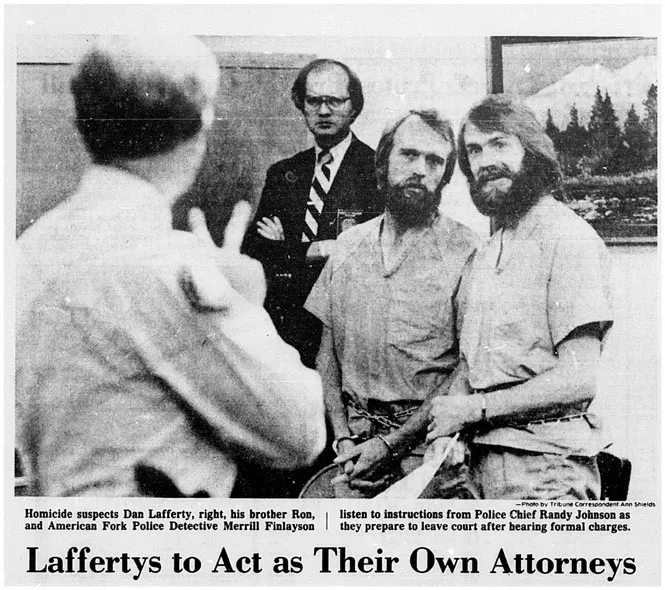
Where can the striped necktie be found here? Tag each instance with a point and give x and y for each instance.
(317, 195)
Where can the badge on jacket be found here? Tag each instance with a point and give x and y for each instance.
(347, 218)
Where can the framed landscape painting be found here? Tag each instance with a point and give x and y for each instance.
(598, 97)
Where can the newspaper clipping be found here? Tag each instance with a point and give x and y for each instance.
(332, 295)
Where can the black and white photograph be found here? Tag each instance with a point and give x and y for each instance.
(267, 263)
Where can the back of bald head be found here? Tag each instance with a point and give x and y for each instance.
(137, 97)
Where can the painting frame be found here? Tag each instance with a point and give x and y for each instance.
(622, 215)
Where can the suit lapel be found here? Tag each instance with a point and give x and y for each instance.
(304, 173)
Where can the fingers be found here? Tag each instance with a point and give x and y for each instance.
(370, 486)
(457, 454)
(352, 454)
(265, 232)
(435, 431)
(270, 228)
(266, 225)
(235, 229)
(344, 474)
(349, 466)
(198, 225)
(362, 484)
(343, 478)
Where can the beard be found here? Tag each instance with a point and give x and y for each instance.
(506, 204)
(411, 203)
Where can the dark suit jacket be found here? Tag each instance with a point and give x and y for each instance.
(285, 195)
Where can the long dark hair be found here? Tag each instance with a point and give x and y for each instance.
(506, 114)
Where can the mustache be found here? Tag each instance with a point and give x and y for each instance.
(413, 183)
(493, 173)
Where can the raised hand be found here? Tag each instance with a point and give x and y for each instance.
(243, 273)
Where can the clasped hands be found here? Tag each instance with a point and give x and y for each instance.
(365, 466)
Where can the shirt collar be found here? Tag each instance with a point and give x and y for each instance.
(124, 195)
(538, 214)
(339, 151)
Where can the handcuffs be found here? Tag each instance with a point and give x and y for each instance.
(362, 438)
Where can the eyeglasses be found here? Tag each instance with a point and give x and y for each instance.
(332, 102)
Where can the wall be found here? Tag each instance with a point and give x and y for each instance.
(50, 155)
(629, 381)
(397, 74)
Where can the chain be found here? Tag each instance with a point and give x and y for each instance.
(381, 420)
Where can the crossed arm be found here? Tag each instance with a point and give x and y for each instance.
(271, 229)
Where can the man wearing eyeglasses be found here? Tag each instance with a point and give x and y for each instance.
(309, 199)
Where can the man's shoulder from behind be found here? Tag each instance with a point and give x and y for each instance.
(92, 251)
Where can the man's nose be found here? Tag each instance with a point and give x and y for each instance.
(324, 109)
(486, 159)
(419, 166)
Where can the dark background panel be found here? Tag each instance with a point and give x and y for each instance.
(256, 125)
(49, 155)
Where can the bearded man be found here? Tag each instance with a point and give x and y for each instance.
(385, 299)
(534, 312)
